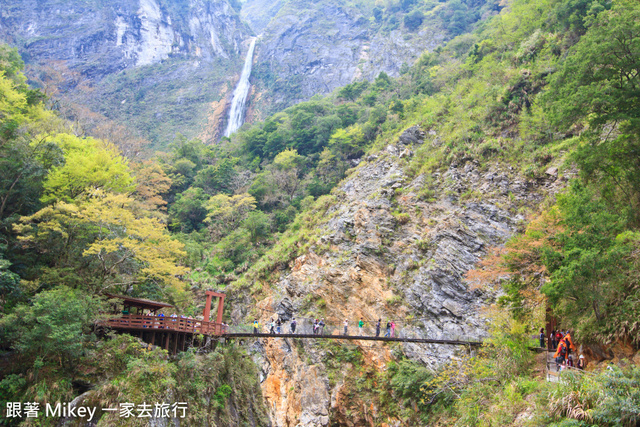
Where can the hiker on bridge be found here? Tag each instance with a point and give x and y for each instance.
(346, 325)
(293, 325)
(387, 332)
(315, 327)
(255, 326)
(272, 327)
(321, 327)
(393, 328)
(278, 326)
(378, 328)
(360, 326)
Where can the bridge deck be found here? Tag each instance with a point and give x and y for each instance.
(352, 337)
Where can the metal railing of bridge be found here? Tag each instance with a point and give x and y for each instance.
(305, 329)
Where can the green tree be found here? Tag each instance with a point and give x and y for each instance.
(54, 327)
(188, 212)
(349, 143)
(88, 164)
(225, 213)
(217, 178)
(587, 258)
(9, 282)
(353, 90)
(258, 224)
(103, 241)
(575, 15)
(413, 20)
(11, 63)
(600, 80)
(287, 172)
(26, 154)
(600, 84)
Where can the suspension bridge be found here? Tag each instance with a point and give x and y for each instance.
(177, 333)
(352, 337)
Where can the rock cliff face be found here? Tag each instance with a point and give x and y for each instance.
(316, 47)
(393, 247)
(164, 67)
(258, 13)
(156, 65)
(100, 39)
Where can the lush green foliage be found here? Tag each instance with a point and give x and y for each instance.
(219, 386)
(55, 326)
(545, 82)
(610, 398)
(70, 229)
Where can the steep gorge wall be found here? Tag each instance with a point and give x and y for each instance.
(387, 251)
(100, 39)
(314, 48)
(154, 65)
(165, 67)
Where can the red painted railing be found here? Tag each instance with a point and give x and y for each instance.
(180, 324)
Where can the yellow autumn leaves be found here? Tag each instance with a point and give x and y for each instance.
(91, 214)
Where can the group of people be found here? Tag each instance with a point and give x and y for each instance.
(275, 327)
(563, 343)
(389, 332)
(318, 327)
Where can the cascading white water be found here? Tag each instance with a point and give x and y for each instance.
(236, 113)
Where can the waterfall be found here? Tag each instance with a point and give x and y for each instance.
(236, 113)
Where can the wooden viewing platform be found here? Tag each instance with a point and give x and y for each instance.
(170, 332)
(352, 337)
(142, 322)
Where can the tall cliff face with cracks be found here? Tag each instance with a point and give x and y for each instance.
(164, 67)
(100, 39)
(154, 65)
(386, 251)
(311, 48)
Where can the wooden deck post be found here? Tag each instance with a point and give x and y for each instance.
(220, 307)
(207, 308)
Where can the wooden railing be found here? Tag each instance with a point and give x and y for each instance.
(180, 324)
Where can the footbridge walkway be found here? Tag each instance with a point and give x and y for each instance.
(177, 333)
(353, 337)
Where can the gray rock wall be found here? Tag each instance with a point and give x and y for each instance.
(311, 48)
(156, 66)
(386, 251)
(100, 38)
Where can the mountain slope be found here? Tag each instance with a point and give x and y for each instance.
(139, 63)
(163, 67)
(314, 48)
